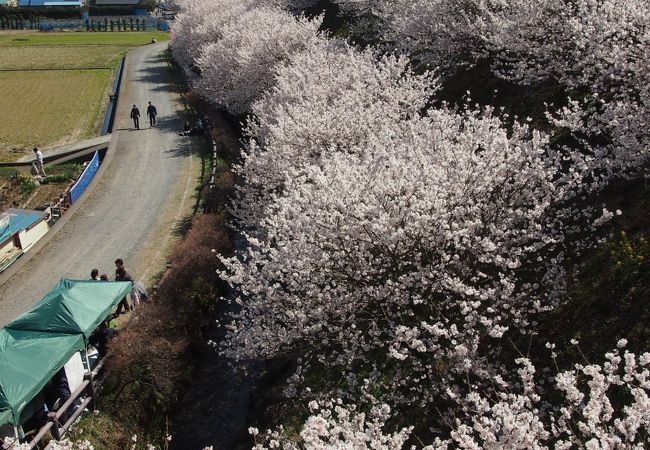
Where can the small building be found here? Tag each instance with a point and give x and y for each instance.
(116, 3)
(20, 229)
(118, 8)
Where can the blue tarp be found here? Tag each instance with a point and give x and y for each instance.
(19, 219)
(85, 179)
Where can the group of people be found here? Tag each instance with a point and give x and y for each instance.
(152, 113)
(138, 291)
(189, 130)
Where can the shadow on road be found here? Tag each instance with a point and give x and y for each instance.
(156, 74)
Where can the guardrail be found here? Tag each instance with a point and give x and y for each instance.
(109, 119)
(58, 430)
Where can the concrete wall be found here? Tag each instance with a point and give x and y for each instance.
(30, 236)
(6, 248)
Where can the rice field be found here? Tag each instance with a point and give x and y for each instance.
(54, 86)
(127, 38)
(59, 57)
(44, 108)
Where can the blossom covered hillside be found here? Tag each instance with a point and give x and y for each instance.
(414, 257)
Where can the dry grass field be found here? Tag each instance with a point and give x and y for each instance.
(59, 57)
(54, 85)
(128, 39)
(45, 108)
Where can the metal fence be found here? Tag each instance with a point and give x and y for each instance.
(99, 23)
(88, 390)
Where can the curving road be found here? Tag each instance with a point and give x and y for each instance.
(131, 212)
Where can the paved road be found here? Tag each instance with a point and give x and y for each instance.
(123, 214)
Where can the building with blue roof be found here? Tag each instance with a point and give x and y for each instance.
(59, 3)
(20, 229)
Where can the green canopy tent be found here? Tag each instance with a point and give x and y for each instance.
(28, 360)
(73, 307)
(39, 342)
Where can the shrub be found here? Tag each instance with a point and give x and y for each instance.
(27, 186)
(150, 358)
(192, 283)
(55, 179)
(627, 257)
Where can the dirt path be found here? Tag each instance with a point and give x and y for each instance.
(145, 191)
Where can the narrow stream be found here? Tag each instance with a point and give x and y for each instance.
(214, 409)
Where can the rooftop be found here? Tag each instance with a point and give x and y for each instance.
(14, 220)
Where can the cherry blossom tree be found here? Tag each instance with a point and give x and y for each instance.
(393, 243)
(601, 406)
(598, 49)
(595, 48)
(333, 425)
(239, 66)
(200, 22)
(328, 98)
(441, 33)
(409, 245)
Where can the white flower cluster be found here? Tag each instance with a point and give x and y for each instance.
(335, 426)
(603, 406)
(513, 417)
(238, 67)
(597, 49)
(236, 64)
(53, 445)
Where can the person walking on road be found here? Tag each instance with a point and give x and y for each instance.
(152, 113)
(135, 115)
(39, 161)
